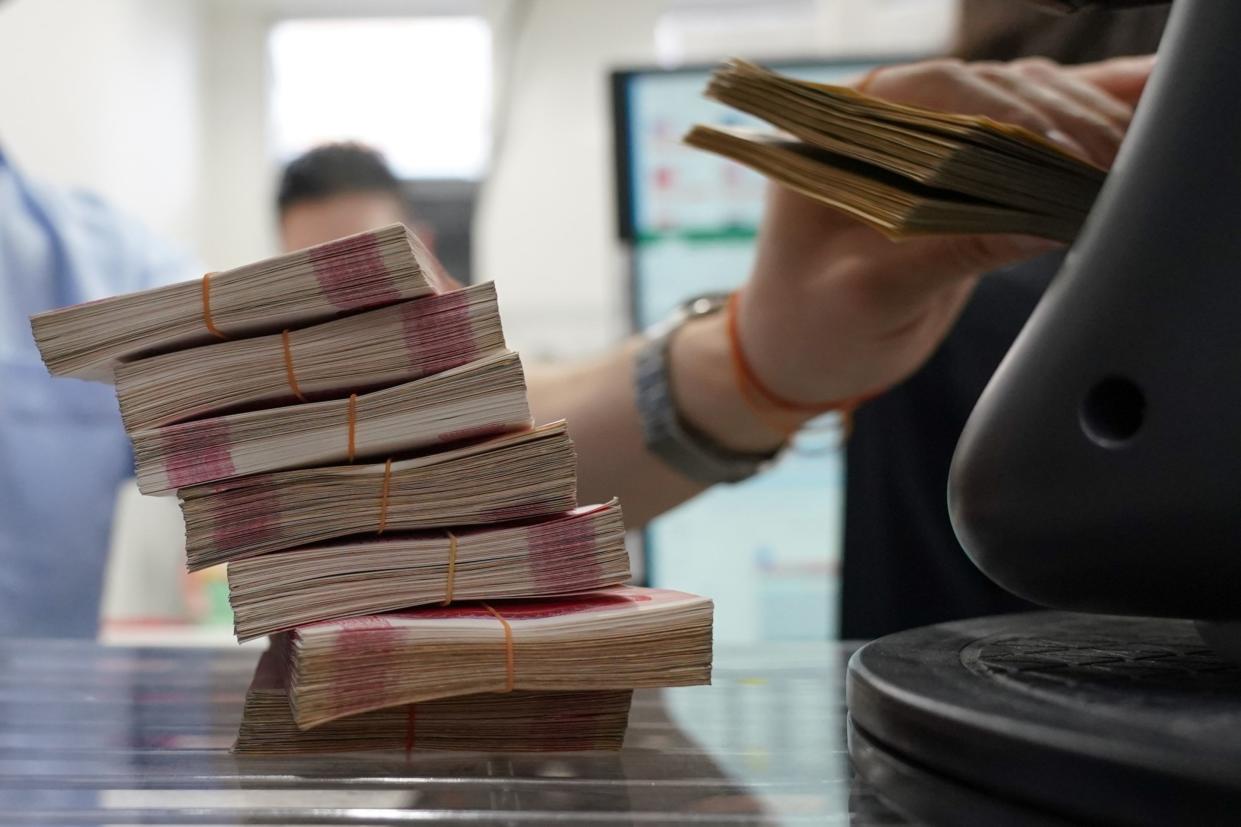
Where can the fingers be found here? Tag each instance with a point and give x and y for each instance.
(953, 86)
(1084, 123)
(1039, 95)
(1070, 85)
(1124, 78)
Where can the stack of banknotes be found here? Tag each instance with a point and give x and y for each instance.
(352, 437)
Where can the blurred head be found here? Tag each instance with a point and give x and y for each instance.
(337, 190)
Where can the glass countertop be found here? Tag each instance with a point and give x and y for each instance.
(93, 734)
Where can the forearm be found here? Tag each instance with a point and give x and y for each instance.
(598, 399)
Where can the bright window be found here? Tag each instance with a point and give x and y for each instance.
(417, 89)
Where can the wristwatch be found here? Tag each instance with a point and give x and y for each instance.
(666, 433)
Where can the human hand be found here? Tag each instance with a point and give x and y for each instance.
(834, 309)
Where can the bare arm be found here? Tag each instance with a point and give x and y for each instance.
(598, 399)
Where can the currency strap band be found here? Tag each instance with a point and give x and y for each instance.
(353, 425)
(452, 567)
(510, 678)
(510, 671)
(383, 497)
(291, 376)
(207, 320)
(289, 373)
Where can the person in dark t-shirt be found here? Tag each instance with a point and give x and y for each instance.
(903, 566)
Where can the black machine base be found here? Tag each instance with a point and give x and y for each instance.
(1050, 718)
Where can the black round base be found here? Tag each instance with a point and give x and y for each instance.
(1050, 718)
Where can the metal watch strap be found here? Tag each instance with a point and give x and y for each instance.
(666, 434)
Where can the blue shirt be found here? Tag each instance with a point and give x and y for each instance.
(63, 451)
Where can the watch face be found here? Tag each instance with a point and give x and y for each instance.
(706, 304)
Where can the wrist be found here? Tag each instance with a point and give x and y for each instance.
(708, 394)
(835, 372)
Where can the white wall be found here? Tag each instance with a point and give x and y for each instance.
(238, 174)
(545, 222)
(105, 94)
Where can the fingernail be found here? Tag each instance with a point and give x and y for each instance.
(1067, 143)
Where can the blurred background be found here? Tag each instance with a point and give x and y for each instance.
(536, 140)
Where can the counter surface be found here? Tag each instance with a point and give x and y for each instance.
(93, 734)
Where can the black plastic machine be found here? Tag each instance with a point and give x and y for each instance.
(1100, 473)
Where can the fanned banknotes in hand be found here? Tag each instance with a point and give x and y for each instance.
(904, 170)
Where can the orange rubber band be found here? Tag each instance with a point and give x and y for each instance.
(510, 668)
(452, 567)
(289, 373)
(353, 425)
(409, 729)
(756, 405)
(215, 331)
(747, 376)
(383, 498)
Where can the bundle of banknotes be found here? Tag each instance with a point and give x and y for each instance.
(352, 437)
(904, 170)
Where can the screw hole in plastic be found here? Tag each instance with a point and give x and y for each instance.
(1113, 411)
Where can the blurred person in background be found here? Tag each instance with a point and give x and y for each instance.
(832, 311)
(333, 190)
(340, 189)
(63, 452)
(903, 566)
